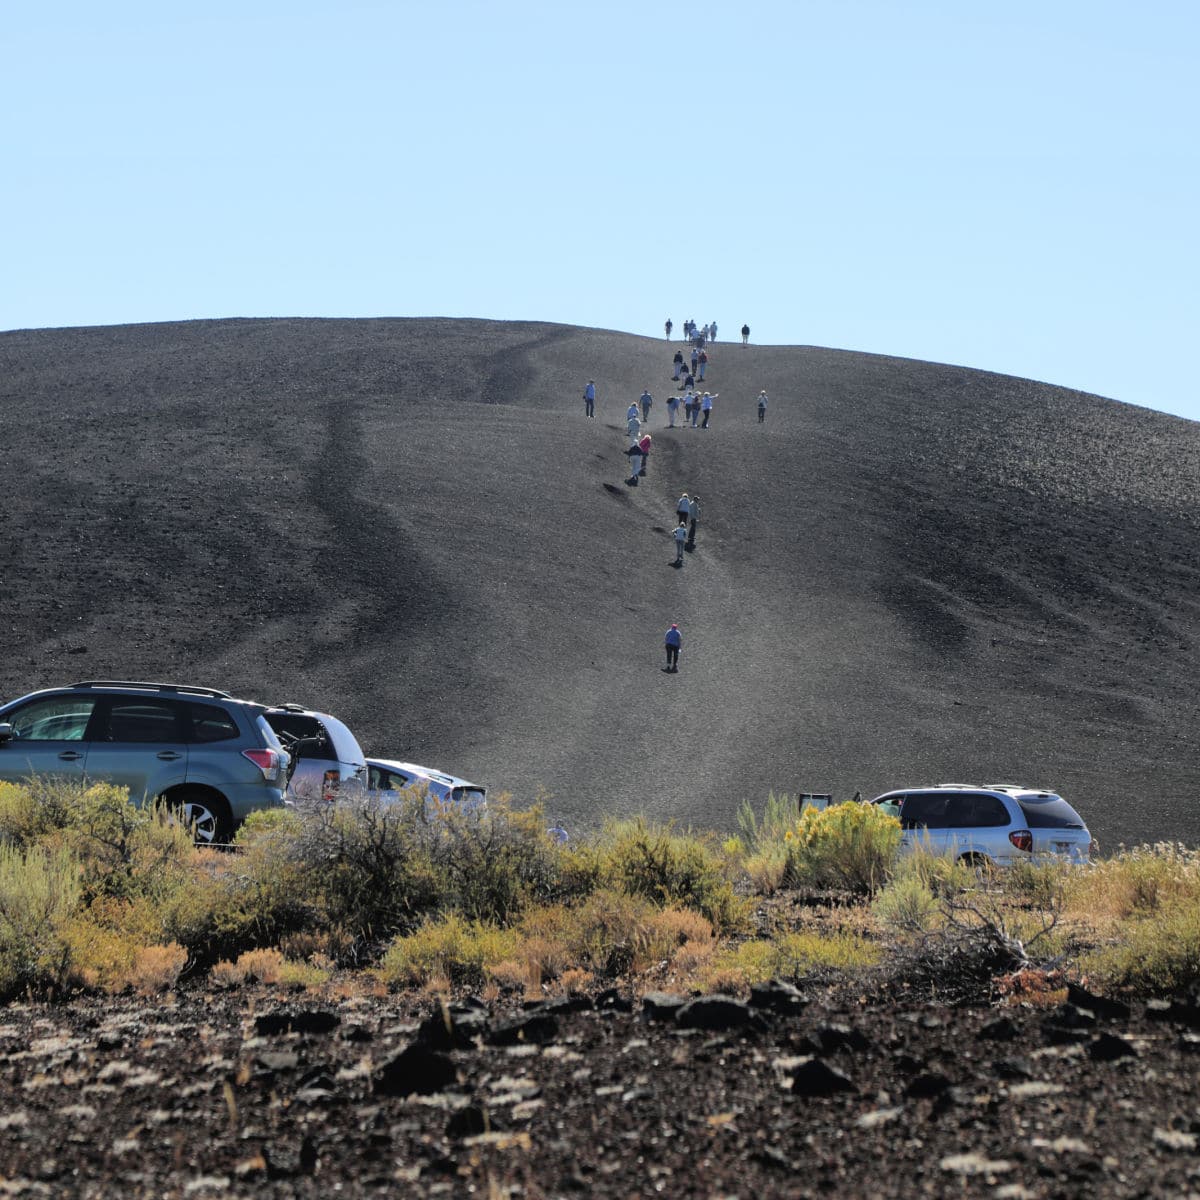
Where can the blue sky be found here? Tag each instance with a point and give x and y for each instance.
(1012, 187)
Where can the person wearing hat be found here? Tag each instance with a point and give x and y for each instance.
(674, 642)
(762, 406)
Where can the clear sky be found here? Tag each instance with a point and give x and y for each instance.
(1008, 186)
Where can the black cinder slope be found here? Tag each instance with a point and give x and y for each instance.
(909, 573)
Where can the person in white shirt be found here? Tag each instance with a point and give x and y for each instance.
(706, 403)
(683, 510)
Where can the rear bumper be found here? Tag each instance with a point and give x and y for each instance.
(245, 798)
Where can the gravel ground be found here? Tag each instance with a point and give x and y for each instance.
(792, 1094)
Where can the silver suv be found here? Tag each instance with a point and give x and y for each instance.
(210, 756)
(996, 824)
(326, 756)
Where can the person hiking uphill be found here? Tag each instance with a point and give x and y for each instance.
(647, 400)
(589, 399)
(683, 509)
(762, 406)
(680, 536)
(674, 643)
(694, 515)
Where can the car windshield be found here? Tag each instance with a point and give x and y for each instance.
(1049, 812)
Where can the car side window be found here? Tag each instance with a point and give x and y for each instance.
(990, 812)
(924, 810)
(211, 724)
(140, 721)
(55, 719)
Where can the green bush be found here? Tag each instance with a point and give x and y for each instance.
(906, 905)
(449, 948)
(39, 893)
(656, 862)
(30, 810)
(1156, 955)
(846, 846)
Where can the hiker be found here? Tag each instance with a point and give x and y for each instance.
(589, 399)
(694, 516)
(680, 535)
(632, 411)
(695, 411)
(688, 402)
(689, 381)
(674, 641)
(667, 327)
(633, 425)
(762, 406)
(635, 464)
(703, 363)
(644, 446)
(647, 400)
(745, 334)
(712, 332)
(683, 508)
(695, 359)
(706, 403)
(678, 361)
(672, 409)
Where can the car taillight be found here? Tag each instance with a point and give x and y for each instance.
(1022, 839)
(267, 761)
(329, 786)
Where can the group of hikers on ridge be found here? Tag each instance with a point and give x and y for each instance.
(706, 334)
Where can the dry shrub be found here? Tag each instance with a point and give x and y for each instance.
(510, 975)
(255, 966)
(692, 957)
(545, 958)
(1136, 882)
(157, 968)
(574, 981)
(1033, 987)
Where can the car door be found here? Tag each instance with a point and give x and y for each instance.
(138, 743)
(923, 820)
(49, 737)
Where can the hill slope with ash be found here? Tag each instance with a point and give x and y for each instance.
(910, 573)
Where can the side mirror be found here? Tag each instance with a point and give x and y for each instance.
(6, 732)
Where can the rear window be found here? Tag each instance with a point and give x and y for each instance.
(1051, 813)
(469, 796)
(301, 725)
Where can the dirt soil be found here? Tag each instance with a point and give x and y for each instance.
(257, 1092)
(910, 573)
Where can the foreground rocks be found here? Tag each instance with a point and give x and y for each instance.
(262, 1093)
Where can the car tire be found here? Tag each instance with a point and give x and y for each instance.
(205, 813)
(980, 864)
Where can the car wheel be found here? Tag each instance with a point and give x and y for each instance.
(980, 864)
(206, 814)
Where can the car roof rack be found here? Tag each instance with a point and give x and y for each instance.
(157, 687)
